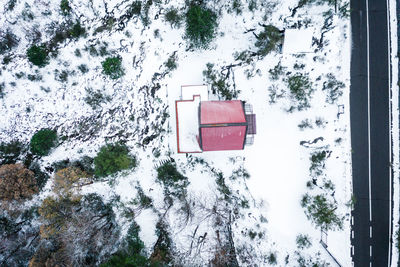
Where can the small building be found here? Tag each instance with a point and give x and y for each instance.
(204, 125)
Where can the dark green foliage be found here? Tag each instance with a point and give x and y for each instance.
(333, 88)
(11, 152)
(237, 6)
(113, 158)
(303, 241)
(85, 164)
(83, 68)
(136, 8)
(112, 67)
(38, 55)
(8, 40)
(300, 90)
(2, 87)
(173, 17)
(132, 252)
(10, 5)
(268, 40)
(322, 212)
(271, 259)
(201, 25)
(222, 187)
(171, 63)
(277, 71)
(142, 200)
(95, 98)
(318, 162)
(77, 30)
(174, 182)
(162, 251)
(305, 124)
(42, 141)
(65, 7)
(40, 176)
(219, 83)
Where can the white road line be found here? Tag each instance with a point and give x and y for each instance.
(370, 232)
(390, 130)
(370, 251)
(352, 234)
(369, 118)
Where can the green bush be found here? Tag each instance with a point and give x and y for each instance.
(11, 152)
(38, 55)
(303, 241)
(300, 89)
(173, 17)
(174, 182)
(112, 67)
(113, 158)
(65, 7)
(42, 141)
(77, 30)
(268, 40)
(322, 212)
(131, 253)
(201, 24)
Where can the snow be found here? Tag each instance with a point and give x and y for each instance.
(187, 122)
(298, 41)
(277, 164)
(188, 91)
(395, 128)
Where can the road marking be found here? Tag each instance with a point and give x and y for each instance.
(390, 130)
(352, 234)
(370, 251)
(370, 232)
(369, 119)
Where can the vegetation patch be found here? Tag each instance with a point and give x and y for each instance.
(65, 7)
(173, 17)
(16, 182)
(113, 158)
(174, 182)
(112, 67)
(11, 152)
(201, 25)
(38, 55)
(43, 141)
(219, 83)
(300, 91)
(322, 212)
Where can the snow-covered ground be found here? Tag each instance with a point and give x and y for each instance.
(277, 164)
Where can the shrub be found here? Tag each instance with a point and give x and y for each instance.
(333, 88)
(268, 40)
(201, 24)
(322, 212)
(219, 83)
(112, 67)
(16, 182)
(172, 16)
(300, 90)
(171, 64)
(38, 55)
(65, 7)
(8, 40)
(132, 251)
(174, 182)
(10, 152)
(303, 241)
(77, 30)
(42, 141)
(69, 179)
(113, 158)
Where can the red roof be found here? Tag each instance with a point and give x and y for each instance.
(217, 112)
(223, 138)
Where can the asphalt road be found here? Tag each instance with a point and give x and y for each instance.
(370, 134)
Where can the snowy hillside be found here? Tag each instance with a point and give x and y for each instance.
(261, 206)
